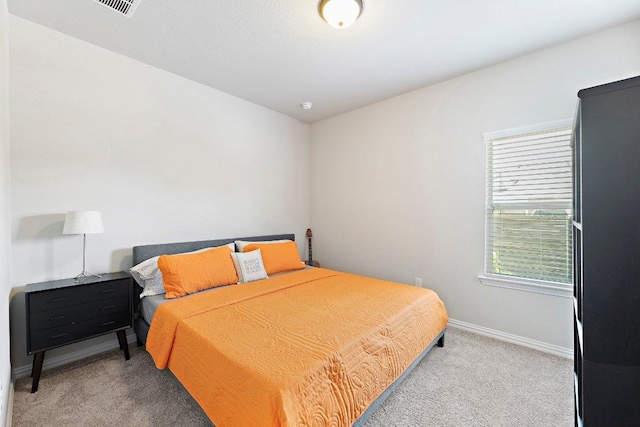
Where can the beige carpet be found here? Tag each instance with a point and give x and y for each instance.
(472, 381)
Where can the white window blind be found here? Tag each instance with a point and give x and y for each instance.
(528, 205)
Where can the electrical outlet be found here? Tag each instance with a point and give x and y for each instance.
(418, 281)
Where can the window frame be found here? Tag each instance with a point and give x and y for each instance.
(559, 289)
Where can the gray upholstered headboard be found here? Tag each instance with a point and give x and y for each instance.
(141, 253)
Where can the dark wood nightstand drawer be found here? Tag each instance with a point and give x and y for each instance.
(61, 335)
(61, 312)
(67, 297)
(65, 316)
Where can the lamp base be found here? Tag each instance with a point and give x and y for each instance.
(85, 274)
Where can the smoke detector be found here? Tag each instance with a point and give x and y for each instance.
(123, 7)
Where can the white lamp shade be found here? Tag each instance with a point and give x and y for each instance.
(83, 222)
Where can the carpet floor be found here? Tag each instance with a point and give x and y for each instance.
(471, 381)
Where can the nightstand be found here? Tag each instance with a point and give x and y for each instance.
(62, 312)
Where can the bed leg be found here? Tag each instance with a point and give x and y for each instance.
(441, 341)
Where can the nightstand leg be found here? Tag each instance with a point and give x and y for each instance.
(38, 358)
(122, 339)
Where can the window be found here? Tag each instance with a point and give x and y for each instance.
(529, 209)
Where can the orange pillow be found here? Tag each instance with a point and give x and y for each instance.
(277, 257)
(184, 274)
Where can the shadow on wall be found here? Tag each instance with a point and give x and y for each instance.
(40, 227)
(47, 228)
(44, 229)
(122, 259)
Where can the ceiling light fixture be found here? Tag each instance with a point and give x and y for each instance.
(340, 13)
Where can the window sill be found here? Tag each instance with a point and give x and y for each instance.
(564, 290)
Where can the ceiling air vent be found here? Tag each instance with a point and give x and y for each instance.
(123, 7)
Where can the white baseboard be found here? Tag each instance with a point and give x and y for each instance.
(515, 339)
(9, 414)
(25, 371)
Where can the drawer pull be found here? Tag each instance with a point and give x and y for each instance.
(58, 317)
(106, 307)
(106, 291)
(109, 323)
(59, 336)
(58, 299)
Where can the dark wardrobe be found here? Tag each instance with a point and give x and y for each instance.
(606, 237)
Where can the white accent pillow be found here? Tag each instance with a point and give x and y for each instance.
(249, 266)
(149, 276)
(240, 244)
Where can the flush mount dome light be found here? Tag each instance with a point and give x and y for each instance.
(340, 13)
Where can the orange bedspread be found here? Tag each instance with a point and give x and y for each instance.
(312, 348)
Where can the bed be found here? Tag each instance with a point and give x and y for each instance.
(306, 347)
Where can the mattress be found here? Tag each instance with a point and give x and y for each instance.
(149, 305)
(313, 347)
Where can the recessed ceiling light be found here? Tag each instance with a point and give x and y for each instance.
(306, 105)
(340, 13)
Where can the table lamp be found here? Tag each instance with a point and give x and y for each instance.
(83, 222)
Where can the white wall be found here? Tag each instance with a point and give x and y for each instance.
(5, 216)
(398, 187)
(164, 158)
